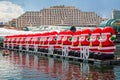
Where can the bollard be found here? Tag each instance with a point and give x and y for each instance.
(86, 48)
(50, 49)
(27, 47)
(35, 47)
(20, 47)
(64, 50)
(84, 53)
(12, 46)
(8, 45)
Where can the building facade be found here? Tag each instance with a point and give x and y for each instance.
(58, 15)
(115, 14)
(12, 23)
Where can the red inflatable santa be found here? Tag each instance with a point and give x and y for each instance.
(67, 41)
(5, 41)
(106, 46)
(22, 41)
(59, 42)
(45, 41)
(94, 42)
(75, 49)
(52, 40)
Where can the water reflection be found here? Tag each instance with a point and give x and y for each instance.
(84, 69)
(117, 72)
(28, 67)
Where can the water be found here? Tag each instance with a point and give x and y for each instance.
(21, 66)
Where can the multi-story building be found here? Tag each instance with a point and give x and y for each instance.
(58, 15)
(116, 14)
(3, 24)
(12, 23)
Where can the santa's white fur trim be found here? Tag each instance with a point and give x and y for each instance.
(107, 48)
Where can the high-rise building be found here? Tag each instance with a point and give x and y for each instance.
(116, 14)
(58, 15)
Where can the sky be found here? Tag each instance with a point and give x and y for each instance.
(10, 9)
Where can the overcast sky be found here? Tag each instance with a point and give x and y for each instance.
(14, 8)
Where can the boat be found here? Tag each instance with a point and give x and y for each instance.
(5, 52)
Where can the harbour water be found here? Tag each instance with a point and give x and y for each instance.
(24, 66)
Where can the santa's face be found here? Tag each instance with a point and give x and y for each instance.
(17, 39)
(59, 38)
(50, 38)
(45, 38)
(74, 39)
(82, 38)
(22, 39)
(34, 39)
(103, 38)
(93, 38)
(42, 39)
(64, 38)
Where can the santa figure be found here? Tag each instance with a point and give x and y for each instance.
(58, 46)
(36, 41)
(74, 49)
(5, 42)
(22, 41)
(52, 40)
(84, 43)
(106, 46)
(67, 41)
(94, 42)
(45, 37)
(18, 41)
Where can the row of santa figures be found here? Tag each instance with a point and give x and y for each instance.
(99, 41)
